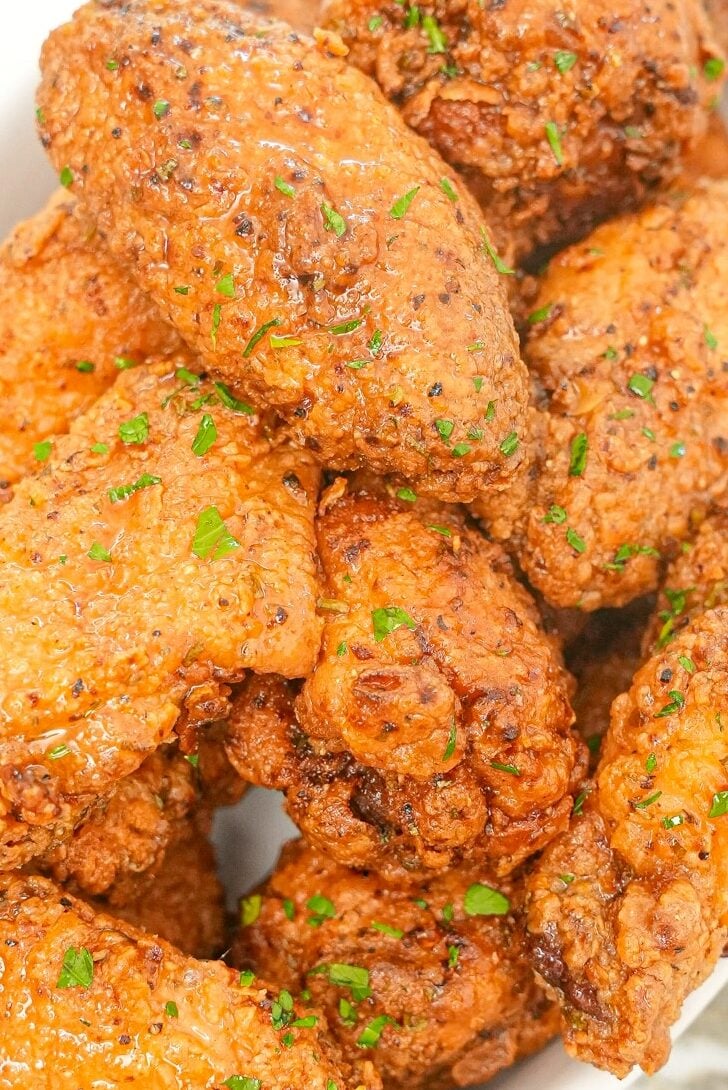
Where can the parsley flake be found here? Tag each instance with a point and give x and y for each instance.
(644, 803)
(385, 929)
(554, 140)
(86, 367)
(135, 431)
(284, 187)
(230, 402)
(42, 450)
(333, 221)
(719, 806)
(98, 552)
(510, 444)
(160, 108)
(577, 459)
(676, 704)
(480, 900)
(206, 436)
(370, 1035)
(226, 286)
(511, 769)
(345, 327)
(77, 970)
(171, 1009)
(400, 206)
(500, 265)
(258, 335)
(540, 315)
(564, 60)
(242, 1082)
(212, 536)
(388, 620)
(448, 189)
(66, 177)
(277, 341)
(710, 338)
(321, 908)
(555, 515)
(713, 69)
(123, 491)
(641, 386)
(452, 740)
(250, 909)
(406, 494)
(575, 540)
(246, 978)
(58, 751)
(438, 41)
(444, 428)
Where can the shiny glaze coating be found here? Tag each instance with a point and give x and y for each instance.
(409, 728)
(350, 271)
(118, 1031)
(557, 116)
(102, 652)
(458, 988)
(645, 916)
(63, 302)
(631, 352)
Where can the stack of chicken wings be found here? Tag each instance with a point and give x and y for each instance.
(366, 439)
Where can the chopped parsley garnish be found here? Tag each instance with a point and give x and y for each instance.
(575, 540)
(212, 536)
(42, 450)
(554, 139)
(412, 17)
(98, 552)
(385, 929)
(644, 803)
(250, 909)
(86, 367)
(490, 411)
(478, 385)
(341, 649)
(357, 365)
(353, 977)
(242, 1082)
(564, 60)
(77, 970)
(289, 909)
(610, 353)
(345, 327)
(444, 428)
(304, 1023)
(369, 1037)
(206, 436)
(687, 663)
(160, 108)
(678, 602)
(626, 552)
(171, 1009)
(388, 620)
(419, 902)
(246, 978)
(567, 879)
(677, 450)
(438, 41)
(577, 460)
(400, 206)
(649, 434)
(226, 286)
(713, 69)
(452, 956)
(375, 342)
(258, 336)
(623, 414)
(460, 450)
(719, 806)
(500, 265)
(284, 187)
(58, 751)
(480, 900)
(447, 188)
(321, 908)
(406, 494)
(540, 315)
(448, 912)
(182, 289)
(231, 402)
(333, 221)
(123, 491)
(579, 803)
(66, 177)
(510, 444)
(673, 821)
(443, 531)
(641, 386)
(347, 1012)
(189, 378)
(135, 431)
(476, 346)
(710, 338)
(193, 759)
(375, 22)
(124, 363)
(555, 515)
(100, 448)
(677, 702)
(284, 341)
(452, 740)
(216, 319)
(651, 763)
(511, 769)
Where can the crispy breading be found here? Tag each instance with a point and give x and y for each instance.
(67, 315)
(629, 351)
(296, 232)
(436, 725)
(453, 991)
(556, 118)
(140, 573)
(88, 997)
(642, 915)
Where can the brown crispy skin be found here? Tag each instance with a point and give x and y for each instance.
(631, 103)
(256, 102)
(460, 990)
(643, 299)
(63, 301)
(118, 1028)
(646, 915)
(400, 737)
(101, 657)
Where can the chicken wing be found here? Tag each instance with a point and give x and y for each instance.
(556, 117)
(69, 319)
(629, 910)
(166, 548)
(432, 729)
(314, 250)
(88, 1000)
(629, 349)
(431, 976)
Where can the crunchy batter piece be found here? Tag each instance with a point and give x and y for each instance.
(556, 118)
(629, 910)
(86, 997)
(166, 548)
(432, 977)
(298, 234)
(629, 348)
(434, 727)
(69, 319)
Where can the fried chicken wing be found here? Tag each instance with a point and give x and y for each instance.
(69, 317)
(430, 730)
(629, 910)
(346, 285)
(556, 118)
(89, 1001)
(629, 348)
(166, 548)
(432, 976)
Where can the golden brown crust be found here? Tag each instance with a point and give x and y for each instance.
(63, 302)
(189, 199)
(458, 988)
(643, 914)
(120, 1027)
(631, 358)
(432, 731)
(622, 90)
(158, 628)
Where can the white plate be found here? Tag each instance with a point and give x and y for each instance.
(247, 837)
